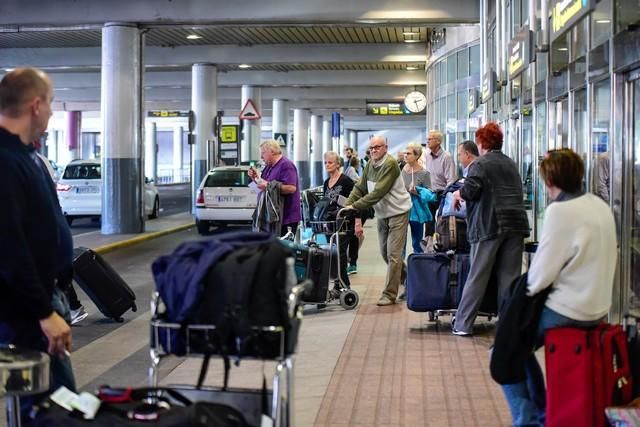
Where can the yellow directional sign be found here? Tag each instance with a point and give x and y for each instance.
(229, 133)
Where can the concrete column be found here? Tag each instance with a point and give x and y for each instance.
(72, 133)
(317, 171)
(122, 147)
(326, 136)
(352, 139)
(301, 145)
(250, 147)
(178, 160)
(280, 121)
(204, 85)
(151, 151)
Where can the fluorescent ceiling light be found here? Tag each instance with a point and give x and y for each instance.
(410, 33)
(603, 21)
(8, 70)
(193, 37)
(244, 66)
(411, 68)
(412, 41)
(563, 49)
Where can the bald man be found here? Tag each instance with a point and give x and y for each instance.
(381, 187)
(35, 243)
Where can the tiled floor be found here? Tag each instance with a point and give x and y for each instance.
(370, 366)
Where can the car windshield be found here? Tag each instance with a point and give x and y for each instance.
(82, 172)
(227, 178)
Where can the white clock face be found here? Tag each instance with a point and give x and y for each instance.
(415, 101)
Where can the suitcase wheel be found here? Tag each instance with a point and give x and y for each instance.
(134, 307)
(349, 299)
(119, 319)
(432, 316)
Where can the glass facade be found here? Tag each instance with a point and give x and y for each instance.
(450, 80)
(580, 91)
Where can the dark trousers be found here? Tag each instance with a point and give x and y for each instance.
(72, 297)
(345, 241)
(354, 248)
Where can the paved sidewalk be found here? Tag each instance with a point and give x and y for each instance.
(154, 228)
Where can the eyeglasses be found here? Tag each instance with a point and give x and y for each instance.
(376, 147)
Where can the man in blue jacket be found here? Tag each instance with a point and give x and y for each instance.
(32, 308)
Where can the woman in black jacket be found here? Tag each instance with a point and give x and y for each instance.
(336, 189)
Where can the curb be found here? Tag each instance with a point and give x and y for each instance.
(134, 241)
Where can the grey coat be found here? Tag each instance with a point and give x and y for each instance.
(493, 192)
(268, 214)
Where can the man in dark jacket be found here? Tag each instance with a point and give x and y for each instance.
(32, 308)
(496, 224)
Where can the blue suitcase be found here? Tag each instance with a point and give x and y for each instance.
(428, 282)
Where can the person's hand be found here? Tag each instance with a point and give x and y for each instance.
(358, 228)
(253, 174)
(457, 200)
(58, 333)
(262, 184)
(413, 190)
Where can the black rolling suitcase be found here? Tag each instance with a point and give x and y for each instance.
(314, 263)
(102, 284)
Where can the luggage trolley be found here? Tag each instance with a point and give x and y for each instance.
(346, 297)
(250, 402)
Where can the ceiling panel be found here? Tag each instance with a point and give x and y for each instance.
(216, 35)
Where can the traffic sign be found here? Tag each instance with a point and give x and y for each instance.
(250, 111)
(281, 139)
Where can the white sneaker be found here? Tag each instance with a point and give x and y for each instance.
(78, 315)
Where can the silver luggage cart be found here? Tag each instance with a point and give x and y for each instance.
(248, 401)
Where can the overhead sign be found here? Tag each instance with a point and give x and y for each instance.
(488, 86)
(281, 139)
(473, 101)
(167, 113)
(250, 111)
(335, 125)
(566, 13)
(229, 145)
(520, 52)
(388, 108)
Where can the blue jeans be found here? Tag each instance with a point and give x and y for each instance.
(417, 234)
(526, 399)
(27, 334)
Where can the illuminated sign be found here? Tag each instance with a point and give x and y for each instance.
(488, 86)
(388, 108)
(520, 53)
(167, 113)
(565, 14)
(472, 104)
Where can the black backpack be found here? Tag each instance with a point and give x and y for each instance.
(246, 288)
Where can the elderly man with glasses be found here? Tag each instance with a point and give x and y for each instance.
(381, 187)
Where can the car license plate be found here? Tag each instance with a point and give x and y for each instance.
(232, 199)
(91, 189)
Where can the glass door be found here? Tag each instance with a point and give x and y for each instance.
(580, 138)
(632, 103)
(541, 193)
(600, 146)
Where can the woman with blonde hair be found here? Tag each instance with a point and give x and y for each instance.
(417, 181)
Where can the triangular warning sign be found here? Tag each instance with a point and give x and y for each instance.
(280, 140)
(250, 111)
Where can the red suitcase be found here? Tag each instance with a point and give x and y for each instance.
(587, 370)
